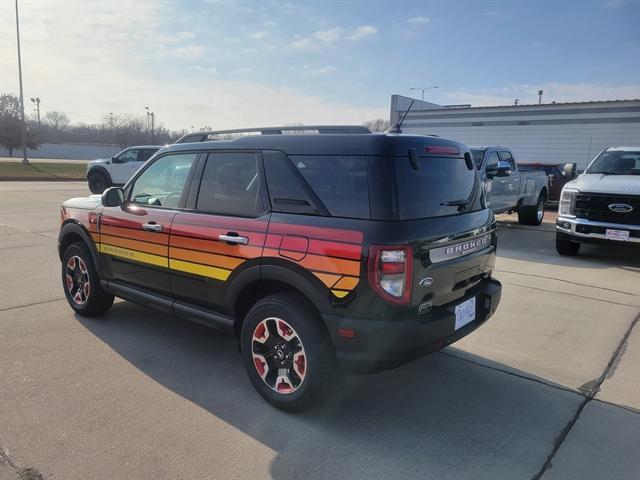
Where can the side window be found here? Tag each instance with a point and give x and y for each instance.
(506, 157)
(492, 161)
(339, 181)
(129, 156)
(161, 184)
(231, 185)
(286, 190)
(146, 154)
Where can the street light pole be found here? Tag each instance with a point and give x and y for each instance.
(23, 131)
(37, 102)
(423, 90)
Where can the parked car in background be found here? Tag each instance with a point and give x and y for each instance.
(117, 170)
(603, 204)
(508, 189)
(559, 174)
(315, 251)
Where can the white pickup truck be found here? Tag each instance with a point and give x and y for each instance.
(107, 172)
(507, 188)
(602, 205)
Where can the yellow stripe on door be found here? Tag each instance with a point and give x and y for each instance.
(133, 255)
(198, 269)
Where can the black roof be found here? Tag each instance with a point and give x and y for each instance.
(326, 144)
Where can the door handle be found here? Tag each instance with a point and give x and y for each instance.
(234, 238)
(152, 227)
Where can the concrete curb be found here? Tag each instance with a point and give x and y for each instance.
(41, 179)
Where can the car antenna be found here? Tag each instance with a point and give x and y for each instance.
(396, 127)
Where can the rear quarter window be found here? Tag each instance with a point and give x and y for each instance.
(340, 182)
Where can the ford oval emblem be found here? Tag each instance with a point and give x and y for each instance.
(620, 208)
(426, 282)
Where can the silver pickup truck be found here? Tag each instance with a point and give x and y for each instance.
(507, 188)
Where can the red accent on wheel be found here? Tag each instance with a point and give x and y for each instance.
(69, 280)
(301, 364)
(284, 329)
(284, 387)
(259, 332)
(260, 365)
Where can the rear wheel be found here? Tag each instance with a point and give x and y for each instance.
(532, 215)
(81, 282)
(287, 352)
(565, 246)
(98, 182)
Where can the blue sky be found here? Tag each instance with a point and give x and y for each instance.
(234, 64)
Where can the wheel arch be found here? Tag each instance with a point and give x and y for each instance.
(72, 232)
(259, 282)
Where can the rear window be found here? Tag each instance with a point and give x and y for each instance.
(442, 186)
(478, 156)
(340, 182)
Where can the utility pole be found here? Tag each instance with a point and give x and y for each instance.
(37, 102)
(23, 132)
(153, 120)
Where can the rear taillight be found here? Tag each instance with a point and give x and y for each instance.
(442, 150)
(391, 271)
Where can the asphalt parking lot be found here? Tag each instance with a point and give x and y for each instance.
(548, 388)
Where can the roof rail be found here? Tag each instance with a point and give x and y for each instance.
(320, 129)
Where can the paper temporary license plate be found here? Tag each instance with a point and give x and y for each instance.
(465, 313)
(620, 235)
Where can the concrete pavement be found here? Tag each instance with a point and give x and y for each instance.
(549, 388)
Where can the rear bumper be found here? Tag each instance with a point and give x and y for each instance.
(384, 344)
(587, 231)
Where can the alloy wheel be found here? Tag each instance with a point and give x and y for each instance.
(77, 280)
(278, 355)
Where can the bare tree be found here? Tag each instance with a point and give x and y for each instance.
(127, 129)
(56, 121)
(378, 125)
(11, 125)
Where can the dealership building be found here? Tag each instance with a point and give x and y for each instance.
(547, 133)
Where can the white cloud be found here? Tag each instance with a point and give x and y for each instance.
(553, 91)
(317, 71)
(108, 61)
(616, 3)
(327, 36)
(418, 20)
(362, 32)
(258, 35)
(331, 36)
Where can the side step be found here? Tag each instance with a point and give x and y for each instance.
(165, 304)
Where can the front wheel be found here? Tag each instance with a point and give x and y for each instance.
(98, 182)
(81, 282)
(566, 247)
(532, 215)
(287, 352)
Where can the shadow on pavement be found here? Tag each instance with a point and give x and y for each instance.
(440, 416)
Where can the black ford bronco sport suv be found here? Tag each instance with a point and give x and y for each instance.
(319, 249)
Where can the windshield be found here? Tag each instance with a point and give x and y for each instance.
(478, 155)
(616, 162)
(442, 186)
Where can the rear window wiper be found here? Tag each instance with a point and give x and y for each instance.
(456, 203)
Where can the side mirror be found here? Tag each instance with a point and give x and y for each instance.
(569, 170)
(491, 171)
(116, 160)
(113, 197)
(504, 169)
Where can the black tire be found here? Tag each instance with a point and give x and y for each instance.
(319, 365)
(98, 182)
(532, 215)
(565, 246)
(88, 301)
